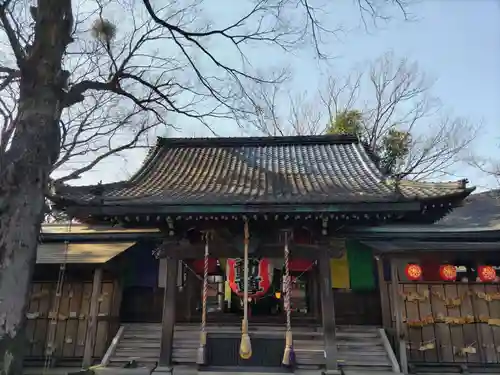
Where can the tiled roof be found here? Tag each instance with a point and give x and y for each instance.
(479, 211)
(276, 170)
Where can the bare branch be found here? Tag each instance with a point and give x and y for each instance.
(11, 34)
(84, 96)
(395, 96)
(126, 87)
(380, 10)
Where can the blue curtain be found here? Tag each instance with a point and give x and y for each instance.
(140, 268)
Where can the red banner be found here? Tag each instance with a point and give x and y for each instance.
(259, 276)
(199, 265)
(299, 265)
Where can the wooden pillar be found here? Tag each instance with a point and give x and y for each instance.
(317, 296)
(115, 307)
(328, 315)
(400, 332)
(90, 337)
(190, 296)
(168, 318)
(384, 295)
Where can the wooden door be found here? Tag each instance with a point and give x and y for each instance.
(357, 307)
(142, 304)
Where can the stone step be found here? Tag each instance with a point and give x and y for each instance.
(122, 371)
(359, 348)
(370, 372)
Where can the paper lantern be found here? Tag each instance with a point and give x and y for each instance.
(486, 273)
(448, 272)
(260, 275)
(413, 272)
(199, 265)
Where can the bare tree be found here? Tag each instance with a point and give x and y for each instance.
(402, 101)
(487, 166)
(396, 97)
(146, 65)
(302, 117)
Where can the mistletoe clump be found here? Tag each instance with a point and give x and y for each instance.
(103, 30)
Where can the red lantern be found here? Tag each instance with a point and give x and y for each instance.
(259, 276)
(486, 273)
(448, 272)
(299, 265)
(413, 272)
(199, 265)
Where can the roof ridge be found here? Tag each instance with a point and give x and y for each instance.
(462, 183)
(259, 141)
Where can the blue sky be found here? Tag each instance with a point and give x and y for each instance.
(457, 42)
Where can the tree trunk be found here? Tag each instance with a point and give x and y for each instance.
(20, 226)
(25, 169)
(23, 183)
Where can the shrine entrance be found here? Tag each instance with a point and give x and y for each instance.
(271, 306)
(266, 291)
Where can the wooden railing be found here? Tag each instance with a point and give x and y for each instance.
(390, 352)
(112, 347)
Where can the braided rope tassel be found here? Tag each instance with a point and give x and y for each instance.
(288, 354)
(245, 344)
(201, 357)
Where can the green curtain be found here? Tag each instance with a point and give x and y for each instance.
(361, 266)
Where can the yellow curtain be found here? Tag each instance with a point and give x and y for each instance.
(339, 271)
(222, 264)
(227, 288)
(227, 291)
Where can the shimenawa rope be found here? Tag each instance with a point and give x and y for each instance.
(201, 357)
(288, 354)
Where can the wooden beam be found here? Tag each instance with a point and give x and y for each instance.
(398, 311)
(189, 212)
(384, 295)
(90, 340)
(328, 315)
(223, 250)
(168, 319)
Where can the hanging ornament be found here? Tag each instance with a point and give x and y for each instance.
(260, 274)
(448, 272)
(413, 272)
(486, 273)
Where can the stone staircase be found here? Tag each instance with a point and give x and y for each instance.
(361, 349)
(139, 342)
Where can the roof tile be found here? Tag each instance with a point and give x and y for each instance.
(284, 170)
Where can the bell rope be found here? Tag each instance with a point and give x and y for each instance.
(245, 344)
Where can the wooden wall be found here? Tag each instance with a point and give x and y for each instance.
(57, 327)
(450, 322)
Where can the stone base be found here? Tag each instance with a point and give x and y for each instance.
(122, 371)
(163, 370)
(331, 372)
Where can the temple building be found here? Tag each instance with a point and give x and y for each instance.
(274, 254)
